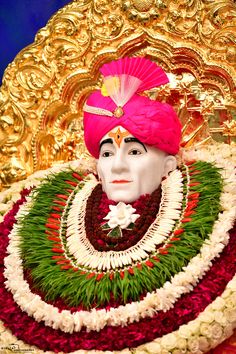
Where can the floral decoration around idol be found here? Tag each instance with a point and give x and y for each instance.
(209, 320)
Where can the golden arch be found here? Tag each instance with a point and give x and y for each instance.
(45, 87)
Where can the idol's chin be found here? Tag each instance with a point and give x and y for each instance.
(122, 195)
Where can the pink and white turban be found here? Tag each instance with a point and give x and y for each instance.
(119, 104)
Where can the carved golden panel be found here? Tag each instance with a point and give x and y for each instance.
(45, 87)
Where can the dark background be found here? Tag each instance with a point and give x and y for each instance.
(19, 22)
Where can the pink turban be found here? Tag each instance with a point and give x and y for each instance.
(151, 122)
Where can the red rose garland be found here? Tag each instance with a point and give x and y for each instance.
(98, 207)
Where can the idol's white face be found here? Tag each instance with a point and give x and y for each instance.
(128, 169)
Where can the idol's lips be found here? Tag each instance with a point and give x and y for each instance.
(121, 181)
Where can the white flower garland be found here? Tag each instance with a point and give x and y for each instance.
(86, 255)
(193, 337)
(161, 299)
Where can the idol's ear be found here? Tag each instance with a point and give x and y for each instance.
(170, 164)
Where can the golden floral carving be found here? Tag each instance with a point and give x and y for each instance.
(143, 10)
(45, 87)
(207, 22)
(229, 128)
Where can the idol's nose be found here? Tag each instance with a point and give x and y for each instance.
(119, 164)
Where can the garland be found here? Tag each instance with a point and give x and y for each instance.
(84, 286)
(86, 255)
(227, 264)
(174, 341)
(195, 269)
(97, 208)
(31, 249)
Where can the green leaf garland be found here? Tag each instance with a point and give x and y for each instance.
(56, 278)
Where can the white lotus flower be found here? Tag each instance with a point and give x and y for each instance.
(121, 215)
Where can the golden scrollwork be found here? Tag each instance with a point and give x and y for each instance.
(45, 87)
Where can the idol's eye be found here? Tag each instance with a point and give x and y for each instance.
(135, 152)
(107, 153)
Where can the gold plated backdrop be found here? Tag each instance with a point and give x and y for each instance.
(46, 85)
